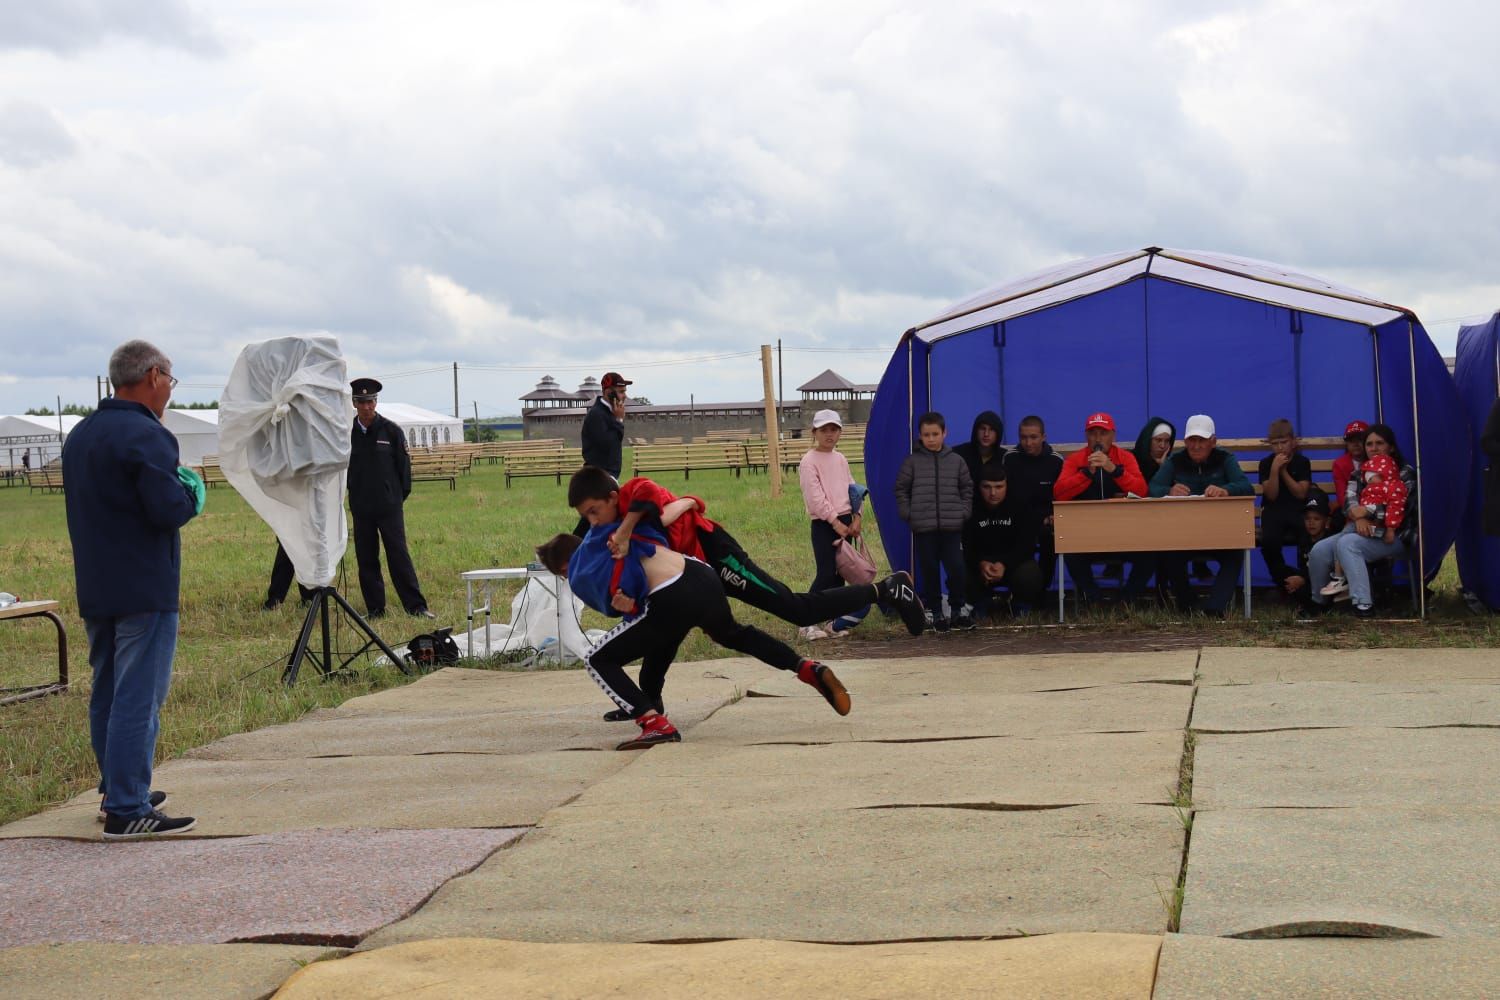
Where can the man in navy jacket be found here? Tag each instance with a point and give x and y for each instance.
(126, 499)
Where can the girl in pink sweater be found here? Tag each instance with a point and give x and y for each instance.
(825, 479)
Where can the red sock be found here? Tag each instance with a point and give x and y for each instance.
(805, 672)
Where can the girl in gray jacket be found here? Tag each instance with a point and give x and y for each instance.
(935, 495)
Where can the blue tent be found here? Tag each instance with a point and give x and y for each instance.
(1476, 372)
(1173, 333)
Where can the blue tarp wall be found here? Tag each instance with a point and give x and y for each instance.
(1476, 372)
(1157, 346)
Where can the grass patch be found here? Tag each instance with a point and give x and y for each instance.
(229, 655)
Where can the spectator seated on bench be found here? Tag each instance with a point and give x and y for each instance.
(1100, 471)
(1202, 468)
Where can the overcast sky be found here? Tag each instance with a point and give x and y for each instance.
(573, 187)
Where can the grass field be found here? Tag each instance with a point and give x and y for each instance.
(230, 652)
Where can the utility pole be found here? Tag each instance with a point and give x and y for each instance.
(773, 430)
(477, 436)
(780, 383)
(455, 398)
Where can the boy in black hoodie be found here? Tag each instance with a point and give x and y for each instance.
(983, 445)
(1031, 469)
(1000, 546)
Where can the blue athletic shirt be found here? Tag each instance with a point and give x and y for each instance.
(595, 575)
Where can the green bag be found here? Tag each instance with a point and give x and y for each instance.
(194, 484)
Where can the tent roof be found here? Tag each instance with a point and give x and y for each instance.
(182, 421)
(406, 414)
(1245, 277)
(29, 425)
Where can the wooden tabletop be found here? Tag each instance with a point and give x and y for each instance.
(23, 608)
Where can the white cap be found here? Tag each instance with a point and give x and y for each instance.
(825, 417)
(1200, 425)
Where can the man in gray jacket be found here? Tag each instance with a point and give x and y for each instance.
(935, 495)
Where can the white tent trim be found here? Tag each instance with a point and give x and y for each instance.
(1244, 277)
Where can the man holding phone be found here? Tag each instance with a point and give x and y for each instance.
(604, 431)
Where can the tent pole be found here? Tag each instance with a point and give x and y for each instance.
(1379, 396)
(911, 542)
(1411, 342)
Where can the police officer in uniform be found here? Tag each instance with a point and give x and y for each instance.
(379, 482)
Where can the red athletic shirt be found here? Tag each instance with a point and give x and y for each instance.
(682, 534)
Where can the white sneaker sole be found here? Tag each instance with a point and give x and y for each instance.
(148, 836)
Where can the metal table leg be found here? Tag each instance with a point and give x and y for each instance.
(1247, 583)
(1060, 595)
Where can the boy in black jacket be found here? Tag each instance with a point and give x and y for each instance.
(935, 495)
(1000, 545)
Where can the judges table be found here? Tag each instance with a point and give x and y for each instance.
(38, 609)
(1164, 524)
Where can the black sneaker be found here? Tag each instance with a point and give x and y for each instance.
(156, 800)
(898, 590)
(620, 715)
(963, 621)
(153, 824)
(1364, 611)
(941, 624)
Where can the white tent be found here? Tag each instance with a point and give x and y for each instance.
(196, 431)
(423, 428)
(43, 436)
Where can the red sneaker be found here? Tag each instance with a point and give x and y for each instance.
(819, 676)
(654, 730)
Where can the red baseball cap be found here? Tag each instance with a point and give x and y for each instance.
(1355, 427)
(612, 379)
(1099, 420)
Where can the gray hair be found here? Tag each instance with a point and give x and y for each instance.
(132, 360)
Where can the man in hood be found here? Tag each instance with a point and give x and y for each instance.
(983, 445)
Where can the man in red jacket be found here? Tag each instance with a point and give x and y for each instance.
(1101, 471)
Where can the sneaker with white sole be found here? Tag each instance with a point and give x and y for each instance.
(812, 633)
(154, 824)
(156, 800)
(1335, 585)
(899, 591)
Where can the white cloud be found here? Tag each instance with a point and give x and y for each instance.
(603, 183)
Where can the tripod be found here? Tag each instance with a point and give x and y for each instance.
(318, 609)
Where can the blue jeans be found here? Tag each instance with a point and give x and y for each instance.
(1354, 553)
(132, 661)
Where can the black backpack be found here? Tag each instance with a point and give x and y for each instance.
(431, 650)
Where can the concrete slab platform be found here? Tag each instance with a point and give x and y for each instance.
(465, 691)
(907, 718)
(1073, 966)
(1371, 767)
(1257, 665)
(993, 674)
(1327, 968)
(1351, 872)
(1052, 770)
(408, 792)
(184, 972)
(840, 876)
(329, 887)
(579, 726)
(1245, 708)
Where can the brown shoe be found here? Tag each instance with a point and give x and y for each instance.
(819, 676)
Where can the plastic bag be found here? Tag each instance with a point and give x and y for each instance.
(284, 424)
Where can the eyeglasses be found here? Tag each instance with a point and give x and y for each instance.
(171, 382)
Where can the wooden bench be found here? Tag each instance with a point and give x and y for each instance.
(431, 467)
(212, 474)
(740, 435)
(556, 463)
(757, 453)
(48, 479)
(689, 457)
